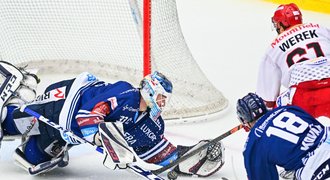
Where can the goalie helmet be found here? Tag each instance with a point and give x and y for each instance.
(286, 16)
(249, 109)
(156, 90)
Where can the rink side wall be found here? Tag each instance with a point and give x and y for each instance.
(322, 6)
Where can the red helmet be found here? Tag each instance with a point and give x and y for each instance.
(287, 15)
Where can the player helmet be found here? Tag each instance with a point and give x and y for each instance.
(286, 15)
(249, 109)
(156, 90)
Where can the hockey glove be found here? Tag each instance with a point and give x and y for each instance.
(204, 163)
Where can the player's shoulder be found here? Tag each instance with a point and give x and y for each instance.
(126, 87)
(316, 25)
(314, 28)
(124, 84)
(272, 114)
(296, 111)
(120, 84)
(288, 108)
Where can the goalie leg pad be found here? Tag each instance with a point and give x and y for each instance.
(38, 149)
(204, 163)
(35, 160)
(18, 126)
(116, 150)
(43, 167)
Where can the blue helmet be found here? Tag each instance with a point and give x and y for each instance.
(152, 86)
(250, 108)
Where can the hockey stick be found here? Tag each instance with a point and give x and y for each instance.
(136, 169)
(186, 156)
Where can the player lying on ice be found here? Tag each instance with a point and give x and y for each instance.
(98, 112)
(286, 137)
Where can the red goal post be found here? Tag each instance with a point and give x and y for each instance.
(115, 40)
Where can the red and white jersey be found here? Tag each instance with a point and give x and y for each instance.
(297, 44)
(309, 70)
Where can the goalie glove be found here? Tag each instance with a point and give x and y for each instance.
(116, 150)
(205, 163)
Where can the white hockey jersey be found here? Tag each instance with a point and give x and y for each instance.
(297, 44)
(313, 69)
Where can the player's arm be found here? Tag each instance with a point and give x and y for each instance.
(268, 82)
(88, 120)
(259, 164)
(258, 168)
(270, 104)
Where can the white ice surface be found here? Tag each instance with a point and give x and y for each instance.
(227, 39)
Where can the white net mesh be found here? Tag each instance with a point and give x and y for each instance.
(102, 37)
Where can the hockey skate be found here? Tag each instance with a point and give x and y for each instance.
(61, 161)
(18, 86)
(290, 175)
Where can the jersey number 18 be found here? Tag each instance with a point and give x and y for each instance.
(287, 126)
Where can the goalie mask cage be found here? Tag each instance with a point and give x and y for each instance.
(115, 40)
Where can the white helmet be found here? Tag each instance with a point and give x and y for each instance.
(153, 85)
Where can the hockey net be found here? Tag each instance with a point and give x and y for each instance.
(107, 38)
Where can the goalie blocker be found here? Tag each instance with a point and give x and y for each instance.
(116, 150)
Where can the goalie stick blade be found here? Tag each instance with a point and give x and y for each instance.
(144, 173)
(186, 156)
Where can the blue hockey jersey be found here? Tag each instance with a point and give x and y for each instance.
(283, 137)
(90, 102)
